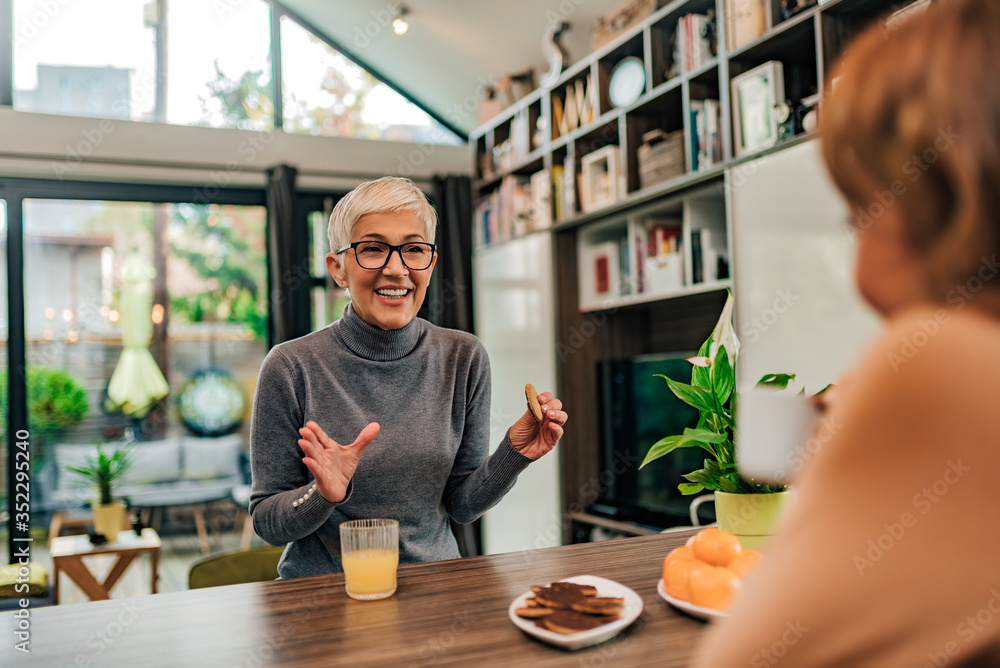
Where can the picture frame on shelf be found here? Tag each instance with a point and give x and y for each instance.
(599, 178)
(755, 94)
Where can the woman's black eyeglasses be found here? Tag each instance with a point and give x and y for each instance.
(416, 255)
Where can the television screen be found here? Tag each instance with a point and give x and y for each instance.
(638, 409)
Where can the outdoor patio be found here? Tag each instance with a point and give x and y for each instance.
(180, 548)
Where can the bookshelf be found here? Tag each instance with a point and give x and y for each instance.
(621, 290)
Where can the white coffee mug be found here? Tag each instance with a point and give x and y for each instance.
(772, 428)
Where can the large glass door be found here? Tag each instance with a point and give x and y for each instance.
(205, 268)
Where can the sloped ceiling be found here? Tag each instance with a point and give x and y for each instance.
(453, 47)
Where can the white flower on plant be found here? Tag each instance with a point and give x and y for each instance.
(724, 334)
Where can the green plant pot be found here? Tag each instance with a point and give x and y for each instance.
(753, 518)
(108, 518)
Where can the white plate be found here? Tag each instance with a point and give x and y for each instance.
(690, 608)
(630, 611)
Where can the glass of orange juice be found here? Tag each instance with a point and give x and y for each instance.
(369, 552)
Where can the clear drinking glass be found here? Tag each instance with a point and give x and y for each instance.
(369, 552)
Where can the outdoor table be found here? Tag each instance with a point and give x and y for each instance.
(68, 553)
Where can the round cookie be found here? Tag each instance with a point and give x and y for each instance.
(532, 395)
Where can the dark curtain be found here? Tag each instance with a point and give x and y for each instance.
(288, 258)
(449, 299)
(449, 302)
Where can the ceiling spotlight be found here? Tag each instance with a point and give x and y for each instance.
(399, 24)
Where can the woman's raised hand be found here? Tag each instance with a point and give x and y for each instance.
(534, 439)
(331, 463)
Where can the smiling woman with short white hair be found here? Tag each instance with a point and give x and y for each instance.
(381, 414)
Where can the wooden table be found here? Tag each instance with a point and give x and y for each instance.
(449, 613)
(68, 553)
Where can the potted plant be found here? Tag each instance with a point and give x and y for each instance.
(743, 506)
(104, 471)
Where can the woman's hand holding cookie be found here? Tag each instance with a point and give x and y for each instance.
(331, 463)
(533, 438)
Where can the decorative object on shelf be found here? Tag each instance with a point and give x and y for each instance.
(575, 108)
(516, 85)
(790, 8)
(747, 21)
(491, 105)
(660, 157)
(211, 403)
(104, 471)
(628, 81)
(599, 178)
(619, 20)
(807, 113)
(785, 119)
(755, 93)
(554, 52)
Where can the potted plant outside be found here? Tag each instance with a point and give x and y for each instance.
(104, 471)
(743, 506)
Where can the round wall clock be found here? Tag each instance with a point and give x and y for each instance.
(211, 403)
(628, 80)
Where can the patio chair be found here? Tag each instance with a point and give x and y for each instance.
(258, 564)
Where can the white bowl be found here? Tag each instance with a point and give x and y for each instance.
(690, 608)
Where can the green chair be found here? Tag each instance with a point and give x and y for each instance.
(257, 564)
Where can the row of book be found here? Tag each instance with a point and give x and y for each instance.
(706, 138)
(696, 45)
(650, 260)
(520, 205)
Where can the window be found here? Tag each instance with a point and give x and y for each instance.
(72, 58)
(209, 304)
(80, 58)
(328, 300)
(324, 93)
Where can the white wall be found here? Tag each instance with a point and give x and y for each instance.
(514, 314)
(68, 147)
(797, 308)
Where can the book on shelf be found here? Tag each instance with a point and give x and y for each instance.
(557, 194)
(567, 190)
(709, 257)
(541, 199)
(663, 261)
(505, 213)
(706, 142)
(605, 272)
(746, 20)
(694, 44)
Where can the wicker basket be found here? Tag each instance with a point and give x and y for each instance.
(661, 157)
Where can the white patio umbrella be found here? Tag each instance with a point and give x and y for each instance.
(137, 383)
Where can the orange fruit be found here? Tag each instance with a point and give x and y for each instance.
(677, 577)
(745, 562)
(690, 541)
(683, 552)
(715, 546)
(713, 587)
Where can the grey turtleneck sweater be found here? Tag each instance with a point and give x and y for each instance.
(428, 388)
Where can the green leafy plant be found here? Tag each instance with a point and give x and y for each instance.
(56, 400)
(105, 470)
(712, 392)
